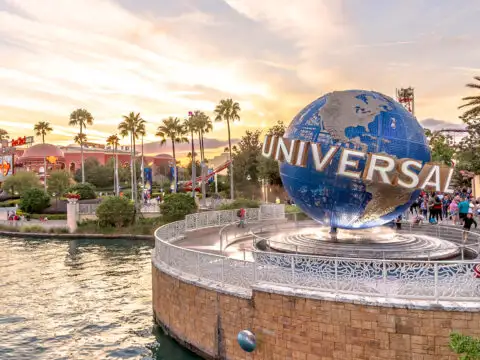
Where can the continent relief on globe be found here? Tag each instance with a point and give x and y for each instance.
(386, 198)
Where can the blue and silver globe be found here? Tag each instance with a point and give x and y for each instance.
(247, 341)
(361, 120)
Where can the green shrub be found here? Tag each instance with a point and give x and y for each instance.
(86, 191)
(33, 229)
(10, 203)
(58, 230)
(240, 203)
(466, 346)
(177, 206)
(10, 228)
(34, 201)
(115, 211)
(49, 216)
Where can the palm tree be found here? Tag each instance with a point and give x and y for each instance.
(113, 141)
(134, 126)
(81, 118)
(228, 110)
(42, 128)
(80, 139)
(473, 102)
(173, 130)
(204, 125)
(190, 125)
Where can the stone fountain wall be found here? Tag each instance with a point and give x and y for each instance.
(300, 327)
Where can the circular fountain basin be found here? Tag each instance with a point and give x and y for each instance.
(376, 243)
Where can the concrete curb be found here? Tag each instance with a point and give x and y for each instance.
(76, 236)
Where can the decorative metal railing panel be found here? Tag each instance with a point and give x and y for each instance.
(427, 280)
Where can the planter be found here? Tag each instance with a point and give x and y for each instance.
(72, 200)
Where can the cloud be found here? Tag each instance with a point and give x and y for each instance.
(183, 149)
(164, 58)
(436, 124)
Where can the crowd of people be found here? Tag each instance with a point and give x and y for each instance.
(459, 208)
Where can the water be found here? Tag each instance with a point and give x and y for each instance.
(79, 300)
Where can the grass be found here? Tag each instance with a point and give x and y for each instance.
(33, 229)
(141, 227)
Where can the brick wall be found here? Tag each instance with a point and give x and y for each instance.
(304, 329)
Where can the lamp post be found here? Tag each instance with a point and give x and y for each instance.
(45, 174)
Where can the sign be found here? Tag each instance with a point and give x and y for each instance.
(6, 167)
(382, 168)
(148, 179)
(26, 140)
(51, 159)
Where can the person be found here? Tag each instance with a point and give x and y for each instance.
(241, 215)
(468, 220)
(463, 208)
(398, 222)
(453, 210)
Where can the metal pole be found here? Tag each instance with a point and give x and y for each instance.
(143, 168)
(216, 184)
(45, 173)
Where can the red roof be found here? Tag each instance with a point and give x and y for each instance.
(40, 151)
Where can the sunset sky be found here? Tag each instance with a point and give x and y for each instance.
(167, 57)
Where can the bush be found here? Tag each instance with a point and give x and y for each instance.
(34, 201)
(21, 182)
(466, 346)
(240, 203)
(86, 191)
(49, 216)
(177, 206)
(33, 229)
(115, 211)
(10, 203)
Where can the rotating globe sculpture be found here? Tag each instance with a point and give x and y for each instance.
(355, 119)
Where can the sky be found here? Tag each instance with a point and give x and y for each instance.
(165, 58)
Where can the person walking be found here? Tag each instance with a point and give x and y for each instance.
(241, 215)
(468, 221)
(463, 208)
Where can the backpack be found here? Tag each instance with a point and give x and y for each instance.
(239, 213)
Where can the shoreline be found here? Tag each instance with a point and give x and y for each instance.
(76, 236)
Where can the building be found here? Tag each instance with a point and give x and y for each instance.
(69, 157)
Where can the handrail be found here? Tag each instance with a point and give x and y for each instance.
(438, 280)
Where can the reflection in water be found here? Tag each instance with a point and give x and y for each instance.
(80, 299)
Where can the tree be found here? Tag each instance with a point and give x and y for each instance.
(85, 190)
(21, 182)
(34, 201)
(268, 168)
(473, 102)
(177, 206)
(246, 162)
(441, 147)
(4, 134)
(81, 118)
(278, 129)
(98, 175)
(134, 126)
(81, 139)
(190, 168)
(42, 128)
(173, 130)
(113, 141)
(58, 182)
(191, 125)
(116, 211)
(228, 110)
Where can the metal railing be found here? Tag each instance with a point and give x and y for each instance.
(399, 279)
(444, 232)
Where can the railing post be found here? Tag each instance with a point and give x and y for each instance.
(223, 272)
(435, 269)
(384, 276)
(254, 264)
(336, 276)
(198, 265)
(293, 269)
